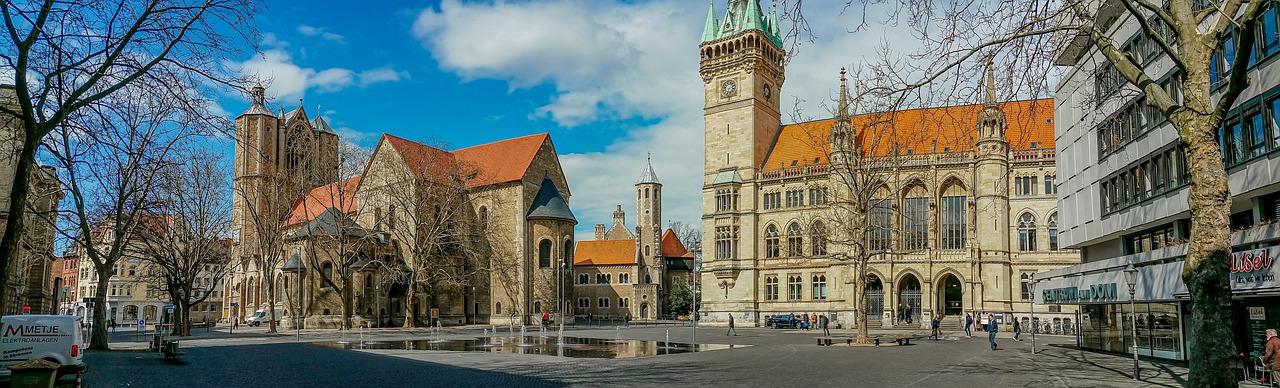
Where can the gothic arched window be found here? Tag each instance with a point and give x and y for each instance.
(1027, 232)
(1053, 232)
(771, 243)
(795, 242)
(544, 253)
(818, 239)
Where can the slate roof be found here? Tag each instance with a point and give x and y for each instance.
(293, 264)
(332, 223)
(549, 205)
(953, 128)
(321, 125)
(605, 252)
(648, 176)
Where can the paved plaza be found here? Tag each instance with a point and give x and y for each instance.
(252, 358)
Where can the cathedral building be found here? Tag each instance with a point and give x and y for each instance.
(955, 209)
(622, 274)
(421, 236)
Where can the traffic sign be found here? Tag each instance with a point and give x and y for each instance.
(142, 323)
(168, 308)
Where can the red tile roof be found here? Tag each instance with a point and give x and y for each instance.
(503, 160)
(605, 252)
(496, 162)
(672, 247)
(953, 128)
(340, 194)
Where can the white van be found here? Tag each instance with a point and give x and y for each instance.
(57, 338)
(259, 317)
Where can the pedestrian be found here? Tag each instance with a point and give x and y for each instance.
(626, 320)
(908, 314)
(968, 325)
(1271, 359)
(813, 321)
(992, 327)
(901, 312)
(1017, 330)
(934, 324)
(824, 322)
(546, 319)
(731, 330)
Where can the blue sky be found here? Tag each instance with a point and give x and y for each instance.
(611, 81)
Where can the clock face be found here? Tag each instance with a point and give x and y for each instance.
(729, 88)
(768, 92)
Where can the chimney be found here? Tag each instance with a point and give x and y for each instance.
(599, 231)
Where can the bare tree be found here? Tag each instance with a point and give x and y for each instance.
(111, 158)
(690, 235)
(184, 243)
(1182, 36)
(432, 214)
(69, 55)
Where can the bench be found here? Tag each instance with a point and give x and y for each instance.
(900, 339)
(826, 341)
(170, 350)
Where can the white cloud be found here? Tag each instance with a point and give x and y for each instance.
(288, 80)
(322, 33)
(618, 60)
(382, 74)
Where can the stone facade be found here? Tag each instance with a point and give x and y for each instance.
(29, 281)
(423, 235)
(964, 219)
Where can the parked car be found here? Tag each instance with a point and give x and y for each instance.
(788, 321)
(57, 338)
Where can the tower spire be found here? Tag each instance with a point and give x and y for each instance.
(991, 84)
(712, 29)
(844, 98)
(647, 176)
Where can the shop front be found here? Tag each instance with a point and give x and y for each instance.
(1107, 314)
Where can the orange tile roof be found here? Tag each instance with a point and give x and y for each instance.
(503, 160)
(605, 252)
(953, 128)
(672, 247)
(496, 162)
(340, 194)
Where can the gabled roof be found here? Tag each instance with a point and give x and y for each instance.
(502, 161)
(672, 247)
(498, 162)
(605, 252)
(953, 128)
(340, 195)
(549, 205)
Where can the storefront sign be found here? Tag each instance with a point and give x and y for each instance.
(1095, 293)
(1252, 266)
(1257, 313)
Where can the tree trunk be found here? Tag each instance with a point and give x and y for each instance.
(346, 303)
(98, 337)
(271, 304)
(863, 303)
(408, 307)
(1206, 269)
(11, 239)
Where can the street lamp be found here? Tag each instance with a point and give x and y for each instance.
(1131, 277)
(1031, 286)
(560, 299)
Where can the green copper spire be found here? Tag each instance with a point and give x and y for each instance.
(712, 30)
(773, 26)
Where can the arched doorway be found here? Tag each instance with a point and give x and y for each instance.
(951, 295)
(875, 298)
(909, 296)
(644, 311)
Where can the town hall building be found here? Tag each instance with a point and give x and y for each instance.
(960, 207)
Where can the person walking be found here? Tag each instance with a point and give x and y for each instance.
(626, 320)
(934, 324)
(902, 311)
(1271, 358)
(908, 314)
(546, 319)
(1017, 330)
(968, 325)
(992, 328)
(731, 330)
(825, 322)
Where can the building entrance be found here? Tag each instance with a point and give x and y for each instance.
(951, 296)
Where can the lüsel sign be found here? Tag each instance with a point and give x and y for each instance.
(1095, 293)
(1252, 266)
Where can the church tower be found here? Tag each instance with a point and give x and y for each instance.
(741, 65)
(991, 192)
(649, 224)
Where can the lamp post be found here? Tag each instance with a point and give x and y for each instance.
(1031, 286)
(1131, 277)
(560, 299)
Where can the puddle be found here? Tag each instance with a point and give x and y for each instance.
(575, 347)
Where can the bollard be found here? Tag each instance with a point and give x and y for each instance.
(34, 373)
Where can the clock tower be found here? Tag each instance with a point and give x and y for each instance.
(741, 64)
